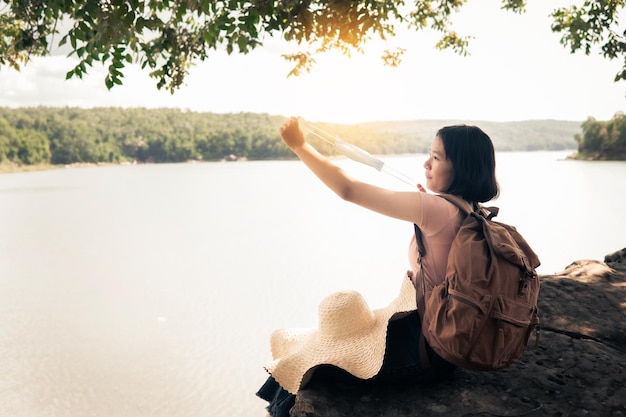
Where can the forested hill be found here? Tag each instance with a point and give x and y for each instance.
(527, 135)
(50, 135)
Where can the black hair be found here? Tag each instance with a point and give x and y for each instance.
(473, 157)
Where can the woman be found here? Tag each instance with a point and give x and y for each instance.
(461, 162)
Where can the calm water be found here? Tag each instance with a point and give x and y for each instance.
(151, 290)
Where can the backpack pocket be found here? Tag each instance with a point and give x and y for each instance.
(480, 334)
(452, 326)
(513, 323)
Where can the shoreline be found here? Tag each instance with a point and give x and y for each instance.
(597, 157)
(11, 168)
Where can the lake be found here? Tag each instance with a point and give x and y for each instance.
(151, 290)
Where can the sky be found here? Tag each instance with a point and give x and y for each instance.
(516, 70)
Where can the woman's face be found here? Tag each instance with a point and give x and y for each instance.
(439, 170)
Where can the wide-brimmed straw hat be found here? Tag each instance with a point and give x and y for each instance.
(350, 336)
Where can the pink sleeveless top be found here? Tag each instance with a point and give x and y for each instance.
(439, 224)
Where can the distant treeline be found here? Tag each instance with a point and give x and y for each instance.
(49, 135)
(603, 139)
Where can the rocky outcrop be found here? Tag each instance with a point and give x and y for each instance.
(578, 369)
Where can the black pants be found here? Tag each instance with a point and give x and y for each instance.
(401, 364)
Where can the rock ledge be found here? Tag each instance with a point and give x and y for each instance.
(577, 370)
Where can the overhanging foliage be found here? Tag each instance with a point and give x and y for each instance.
(166, 36)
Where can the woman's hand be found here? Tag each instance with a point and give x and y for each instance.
(292, 133)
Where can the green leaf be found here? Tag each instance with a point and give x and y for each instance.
(129, 18)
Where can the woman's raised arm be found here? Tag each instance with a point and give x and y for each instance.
(402, 205)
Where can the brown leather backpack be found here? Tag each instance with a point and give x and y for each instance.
(483, 314)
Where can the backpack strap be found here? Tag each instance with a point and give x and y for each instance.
(461, 204)
(421, 298)
(486, 212)
(467, 208)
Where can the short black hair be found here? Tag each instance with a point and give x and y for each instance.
(473, 157)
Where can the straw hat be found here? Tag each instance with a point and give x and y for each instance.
(349, 336)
